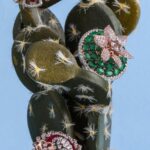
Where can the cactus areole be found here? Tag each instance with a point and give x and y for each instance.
(22, 42)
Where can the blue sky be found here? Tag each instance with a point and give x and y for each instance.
(131, 121)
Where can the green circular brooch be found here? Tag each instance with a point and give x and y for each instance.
(102, 52)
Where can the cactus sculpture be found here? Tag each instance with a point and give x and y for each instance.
(71, 107)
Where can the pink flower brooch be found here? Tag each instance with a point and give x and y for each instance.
(102, 52)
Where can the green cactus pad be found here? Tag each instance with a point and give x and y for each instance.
(88, 88)
(22, 42)
(50, 63)
(128, 12)
(47, 111)
(48, 19)
(86, 98)
(90, 56)
(88, 101)
(81, 20)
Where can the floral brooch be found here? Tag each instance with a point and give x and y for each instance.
(55, 141)
(103, 52)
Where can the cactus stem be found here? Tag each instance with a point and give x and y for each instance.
(36, 16)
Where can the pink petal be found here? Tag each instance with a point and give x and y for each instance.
(115, 46)
(122, 40)
(101, 40)
(117, 60)
(109, 32)
(105, 55)
(126, 54)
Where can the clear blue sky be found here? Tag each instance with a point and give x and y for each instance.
(131, 117)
